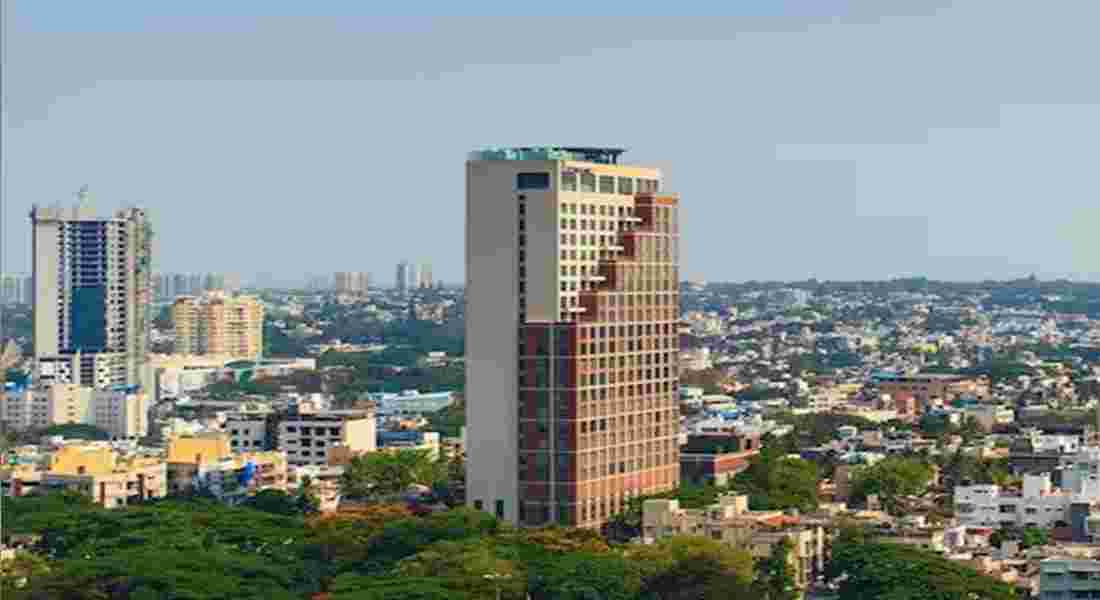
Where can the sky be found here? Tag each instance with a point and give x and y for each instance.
(837, 140)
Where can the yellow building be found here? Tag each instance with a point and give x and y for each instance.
(218, 323)
(207, 462)
(110, 479)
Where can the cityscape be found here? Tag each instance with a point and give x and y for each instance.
(579, 411)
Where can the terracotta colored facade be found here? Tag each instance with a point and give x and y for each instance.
(599, 408)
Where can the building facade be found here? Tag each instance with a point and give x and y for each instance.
(571, 334)
(220, 324)
(120, 411)
(307, 438)
(351, 282)
(92, 295)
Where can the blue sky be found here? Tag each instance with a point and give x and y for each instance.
(826, 139)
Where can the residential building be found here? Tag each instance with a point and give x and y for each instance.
(111, 479)
(351, 282)
(121, 411)
(218, 323)
(36, 408)
(572, 347)
(1069, 579)
(716, 459)
(206, 463)
(928, 389)
(730, 521)
(410, 440)
(306, 438)
(92, 295)
(424, 276)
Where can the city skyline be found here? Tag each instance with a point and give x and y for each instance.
(868, 152)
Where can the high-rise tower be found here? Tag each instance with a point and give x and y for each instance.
(401, 280)
(571, 334)
(92, 294)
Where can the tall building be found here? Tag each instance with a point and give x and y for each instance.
(217, 323)
(11, 289)
(424, 277)
(92, 294)
(571, 334)
(401, 281)
(351, 282)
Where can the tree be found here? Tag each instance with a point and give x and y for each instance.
(692, 567)
(774, 481)
(775, 575)
(276, 502)
(890, 479)
(385, 475)
(894, 571)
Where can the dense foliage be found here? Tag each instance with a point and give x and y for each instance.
(198, 549)
(900, 572)
(890, 479)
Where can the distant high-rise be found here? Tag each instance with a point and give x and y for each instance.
(12, 289)
(351, 282)
(401, 281)
(572, 348)
(424, 277)
(92, 294)
(219, 323)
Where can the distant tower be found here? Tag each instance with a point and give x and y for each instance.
(425, 280)
(93, 292)
(401, 283)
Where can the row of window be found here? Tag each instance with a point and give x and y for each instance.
(607, 184)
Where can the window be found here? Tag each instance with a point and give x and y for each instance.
(588, 182)
(626, 185)
(569, 182)
(607, 184)
(533, 181)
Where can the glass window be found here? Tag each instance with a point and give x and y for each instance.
(533, 181)
(588, 182)
(607, 184)
(626, 185)
(569, 182)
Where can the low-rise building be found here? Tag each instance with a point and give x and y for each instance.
(306, 439)
(206, 464)
(731, 522)
(1068, 579)
(111, 479)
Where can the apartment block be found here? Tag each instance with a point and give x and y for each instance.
(929, 389)
(351, 282)
(111, 479)
(572, 345)
(307, 438)
(731, 522)
(205, 463)
(219, 323)
(93, 290)
(120, 411)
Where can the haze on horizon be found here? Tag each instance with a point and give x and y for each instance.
(818, 138)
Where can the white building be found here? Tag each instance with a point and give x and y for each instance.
(306, 439)
(1039, 504)
(1067, 579)
(122, 412)
(93, 288)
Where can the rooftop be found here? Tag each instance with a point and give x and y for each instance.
(592, 154)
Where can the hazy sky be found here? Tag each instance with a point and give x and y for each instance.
(823, 139)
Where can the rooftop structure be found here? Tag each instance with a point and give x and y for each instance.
(591, 154)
